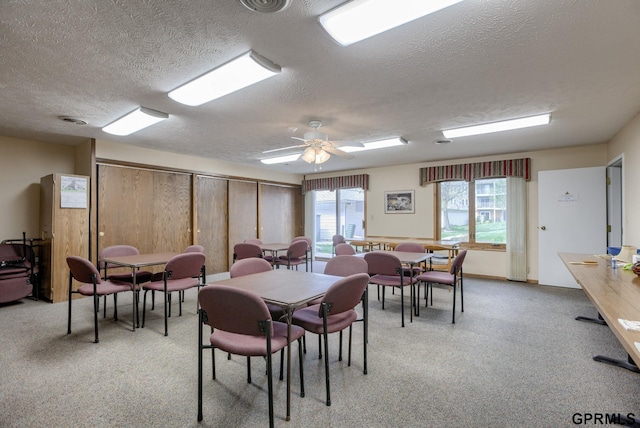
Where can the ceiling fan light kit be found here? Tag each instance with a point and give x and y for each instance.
(240, 72)
(357, 20)
(505, 125)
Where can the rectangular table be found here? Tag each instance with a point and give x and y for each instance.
(136, 262)
(410, 259)
(289, 289)
(616, 294)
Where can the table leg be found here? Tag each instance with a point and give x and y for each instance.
(412, 304)
(136, 316)
(289, 320)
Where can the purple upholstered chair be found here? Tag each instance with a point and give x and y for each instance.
(387, 271)
(334, 314)
(83, 271)
(411, 247)
(345, 266)
(337, 239)
(194, 249)
(255, 265)
(182, 272)
(344, 249)
(241, 325)
(245, 250)
(449, 279)
(296, 255)
(142, 276)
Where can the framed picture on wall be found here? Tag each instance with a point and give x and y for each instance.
(399, 202)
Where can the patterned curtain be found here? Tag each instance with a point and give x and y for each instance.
(473, 171)
(333, 183)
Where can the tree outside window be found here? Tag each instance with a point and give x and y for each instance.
(474, 214)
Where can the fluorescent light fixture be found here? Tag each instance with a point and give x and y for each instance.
(243, 71)
(280, 159)
(360, 19)
(138, 119)
(371, 145)
(506, 125)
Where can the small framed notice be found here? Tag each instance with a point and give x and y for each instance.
(73, 192)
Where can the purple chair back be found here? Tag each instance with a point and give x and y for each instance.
(302, 238)
(234, 310)
(185, 265)
(83, 270)
(382, 263)
(344, 249)
(338, 239)
(194, 249)
(456, 264)
(249, 266)
(115, 251)
(298, 249)
(346, 265)
(246, 250)
(410, 247)
(345, 294)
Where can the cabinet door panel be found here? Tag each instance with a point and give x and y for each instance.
(171, 212)
(280, 213)
(125, 198)
(211, 206)
(150, 210)
(243, 213)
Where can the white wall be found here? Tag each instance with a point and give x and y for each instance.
(627, 144)
(126, 153)
(22, 164)
(422, 223)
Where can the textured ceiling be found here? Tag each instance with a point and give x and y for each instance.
(476, 61)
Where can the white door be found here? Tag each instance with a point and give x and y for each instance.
(572, 218)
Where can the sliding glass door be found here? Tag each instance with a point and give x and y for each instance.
(339, 212)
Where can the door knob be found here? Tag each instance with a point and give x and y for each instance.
(543, 227)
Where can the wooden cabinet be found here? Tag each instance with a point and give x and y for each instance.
(211, 221)
(281, 213)
(64, 228)
(243, 213)
(150, 210)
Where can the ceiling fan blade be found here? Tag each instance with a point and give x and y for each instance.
(299, 139)
(338, 152)
(284, 148)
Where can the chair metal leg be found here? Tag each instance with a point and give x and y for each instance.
(326, 352)
(340, 348)
(301, 367)
(453, 320)
(349, 357)
(249, 370)
(282, 364)
(402, 303)
(96, 298)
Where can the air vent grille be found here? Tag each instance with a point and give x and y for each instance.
(265, 6)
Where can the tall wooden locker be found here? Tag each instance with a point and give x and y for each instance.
(64, 226)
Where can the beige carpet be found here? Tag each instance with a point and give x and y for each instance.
(516, 357)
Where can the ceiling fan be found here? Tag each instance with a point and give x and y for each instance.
(318, 148)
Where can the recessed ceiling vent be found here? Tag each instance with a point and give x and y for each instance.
(266, 6)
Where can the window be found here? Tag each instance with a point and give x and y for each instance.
(339, 212)
(474, 212)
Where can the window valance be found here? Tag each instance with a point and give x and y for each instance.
(333, 183)
(478, 170)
